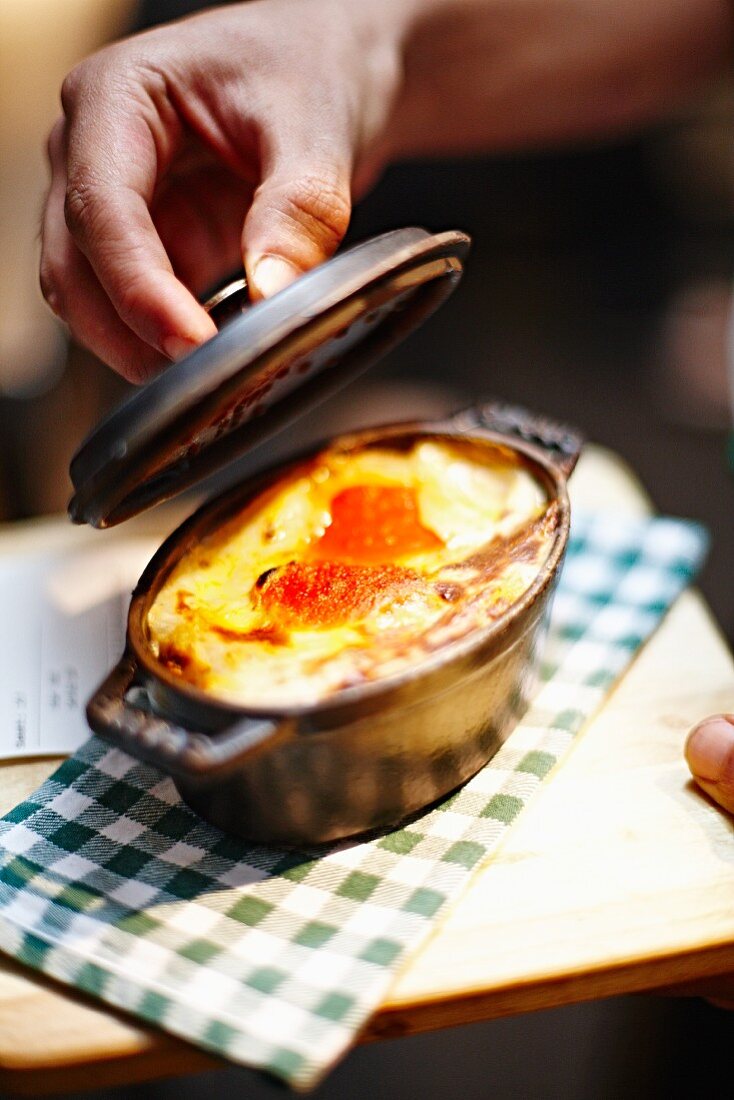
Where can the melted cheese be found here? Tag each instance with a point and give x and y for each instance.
(354, 567)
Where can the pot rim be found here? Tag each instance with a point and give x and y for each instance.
(503, 631)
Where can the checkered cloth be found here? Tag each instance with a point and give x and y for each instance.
(273, 959)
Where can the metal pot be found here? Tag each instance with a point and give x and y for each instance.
(372, 755)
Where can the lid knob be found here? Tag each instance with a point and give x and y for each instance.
(228, 302)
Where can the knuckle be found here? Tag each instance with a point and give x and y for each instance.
(323, 207)
(86, 77)
(80, 203)
(71, 86)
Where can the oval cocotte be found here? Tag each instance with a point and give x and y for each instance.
(332, 646)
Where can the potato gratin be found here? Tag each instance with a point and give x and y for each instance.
(353, 567)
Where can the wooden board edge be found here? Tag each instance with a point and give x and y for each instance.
(661, 974)
(170, 1057)
(164, 1059)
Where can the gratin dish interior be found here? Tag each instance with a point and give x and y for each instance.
(369, 755)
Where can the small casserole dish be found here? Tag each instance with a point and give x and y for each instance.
(368, 751)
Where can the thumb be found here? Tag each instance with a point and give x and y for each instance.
(710, 756)
(299, 215)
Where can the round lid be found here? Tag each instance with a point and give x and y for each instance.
(267, 365)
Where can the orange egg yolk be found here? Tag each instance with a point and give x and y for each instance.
(373, 524)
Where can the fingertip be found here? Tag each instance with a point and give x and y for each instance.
(709, 748)
(709, 752)
(269, 274)
(178, 347)
(165, 313)
(297, 219)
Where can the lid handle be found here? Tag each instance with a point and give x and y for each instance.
(561, 442)
(120, 712)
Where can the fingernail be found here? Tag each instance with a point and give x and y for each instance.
(710, 747)
(271, 274)
(178, 347)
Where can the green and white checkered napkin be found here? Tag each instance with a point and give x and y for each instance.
(275, 959)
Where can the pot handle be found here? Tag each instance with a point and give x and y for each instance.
(561, 442)
(120, 712)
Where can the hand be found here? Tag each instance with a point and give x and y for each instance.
(243, 132)
(257, 116)
(710, 756)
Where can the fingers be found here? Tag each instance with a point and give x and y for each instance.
(301, 210)
(74, 293)
(127, 238)
(114, 158)
(106, 163)
(710, 756)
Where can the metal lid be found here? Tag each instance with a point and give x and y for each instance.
(266, 366)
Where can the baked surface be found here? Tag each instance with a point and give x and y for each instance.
(354, 566)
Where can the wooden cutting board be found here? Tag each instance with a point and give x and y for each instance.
(619, 876)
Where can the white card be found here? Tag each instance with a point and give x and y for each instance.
(62, 629)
